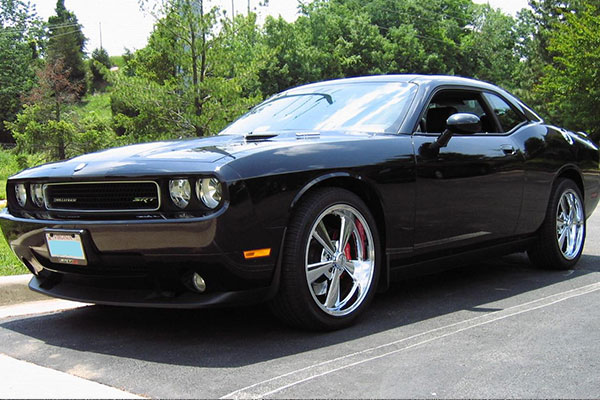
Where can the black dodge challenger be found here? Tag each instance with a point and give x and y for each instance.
(311, 201)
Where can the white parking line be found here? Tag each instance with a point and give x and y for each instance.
(285, 381)
(23, 380)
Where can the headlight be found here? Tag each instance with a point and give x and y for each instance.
(21, 194)
(37, 194)
(209, 191)
(180, 191)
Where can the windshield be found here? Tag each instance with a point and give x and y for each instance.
(377, 107)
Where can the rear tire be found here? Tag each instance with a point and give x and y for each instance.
(331, 262)
(562, 235)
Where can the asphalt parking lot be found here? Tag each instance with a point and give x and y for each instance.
(498, 329)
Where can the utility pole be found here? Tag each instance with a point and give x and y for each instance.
(248, 7)
(232, 10)
(100, 27)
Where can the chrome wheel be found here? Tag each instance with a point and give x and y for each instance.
(570, 224)
(340, 260)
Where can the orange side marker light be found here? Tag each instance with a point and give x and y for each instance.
(257, 253)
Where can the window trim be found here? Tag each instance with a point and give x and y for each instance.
(524, 122)
(487, 108)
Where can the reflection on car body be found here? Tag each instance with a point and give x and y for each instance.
(311, 201)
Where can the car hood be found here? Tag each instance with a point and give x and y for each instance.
(179, 156)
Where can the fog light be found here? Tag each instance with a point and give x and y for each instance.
(198, 282)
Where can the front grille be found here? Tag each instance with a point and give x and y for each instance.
(103, 196)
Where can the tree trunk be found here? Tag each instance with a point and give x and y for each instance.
(197, 105)
(198, 76)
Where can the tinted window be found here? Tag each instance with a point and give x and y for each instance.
(367, 107)
(508, 117)
(449, 102)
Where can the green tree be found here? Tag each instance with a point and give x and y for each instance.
(535, 27)
(190, 52)
(489, 50)
(572, 82)
(21, 40)
(67, 42)
(144, 110)
(40, 127)
(99, 63)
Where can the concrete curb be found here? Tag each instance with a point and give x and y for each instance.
(15, 290)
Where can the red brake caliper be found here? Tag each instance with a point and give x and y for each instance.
(363, 237)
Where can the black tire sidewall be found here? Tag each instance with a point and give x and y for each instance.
(294, 261)
(556, 258)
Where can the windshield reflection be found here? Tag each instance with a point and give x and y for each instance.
(376, 107)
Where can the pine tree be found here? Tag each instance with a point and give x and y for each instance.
(100, 60)
(67, 42)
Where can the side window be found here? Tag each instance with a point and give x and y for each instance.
(448, 102)
(508, 117)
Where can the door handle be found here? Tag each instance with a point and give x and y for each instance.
(508, 149)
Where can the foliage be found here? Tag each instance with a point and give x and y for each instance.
(41, 139)
(35, 133)
(21, 33)
(66, 42)
(535, 27)
(40, 127)
(191, 55)
(144, 110)
(8, 167)
(572, 82)
(492, 33)
(9, 264)
(99, 65)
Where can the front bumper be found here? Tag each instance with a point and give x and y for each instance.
(150, 263)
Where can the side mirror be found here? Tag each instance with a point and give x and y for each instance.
(461, 123)
(464, 123)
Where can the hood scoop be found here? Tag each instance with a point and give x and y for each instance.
(257, 137)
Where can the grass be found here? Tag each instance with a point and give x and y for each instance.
(8, 166)
(118, 61)
(9, 264)
(98, 103)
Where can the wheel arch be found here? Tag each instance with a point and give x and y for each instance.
(366, 192)
(571, 172)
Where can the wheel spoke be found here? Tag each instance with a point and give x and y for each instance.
(320, 234)
(563, 205)
(349, 268)
(333, 296)
(562, 237)
(347, 226)
(345, 301)
(339, 270)
(571, 203)
(316, 270)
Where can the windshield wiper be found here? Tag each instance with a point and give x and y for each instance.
(325, 95)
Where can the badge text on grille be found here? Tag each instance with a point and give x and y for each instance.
(65, 200)
(144, 200)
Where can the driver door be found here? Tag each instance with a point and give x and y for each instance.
(471, 191)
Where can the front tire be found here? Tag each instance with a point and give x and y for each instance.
(562, 235)
(330, 263)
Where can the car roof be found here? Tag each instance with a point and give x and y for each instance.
(435, 80)
(428, 83)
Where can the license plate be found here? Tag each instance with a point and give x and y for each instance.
(66, 248)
